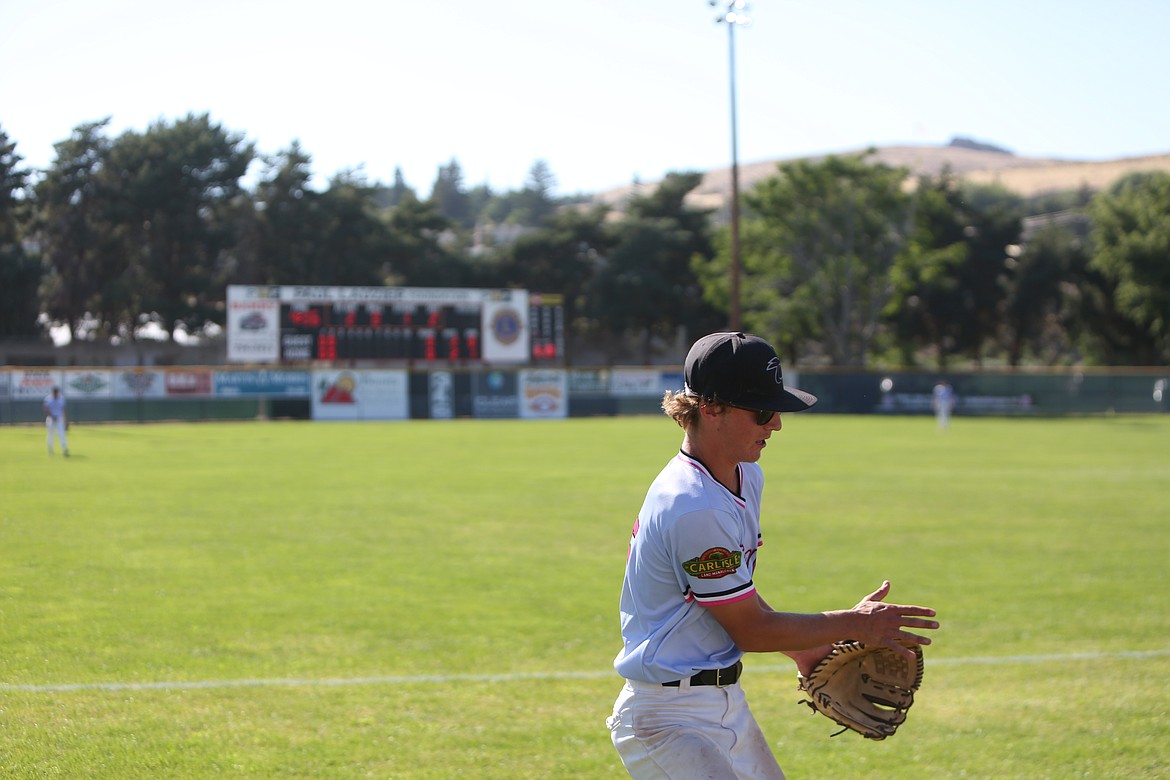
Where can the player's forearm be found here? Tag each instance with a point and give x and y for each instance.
(790, 632)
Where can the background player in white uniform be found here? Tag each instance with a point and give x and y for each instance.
(943, 401)
(54, 406)
(689, 606)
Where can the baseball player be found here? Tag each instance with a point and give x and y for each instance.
(54, 406)
(689, 606)
(942, 398)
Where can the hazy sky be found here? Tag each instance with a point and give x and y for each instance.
(605, 91)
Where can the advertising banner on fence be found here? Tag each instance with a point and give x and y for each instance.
(671, 380)
(88, 384)
(589, 381)
(138, 383)
(626, 382)
(441, 395)
(187, 383)
(271, 383)
(33, 383)
(361, 395)
(643, 382)
(494, 395)
(544, 394)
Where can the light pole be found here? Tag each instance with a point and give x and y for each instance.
(734, 13)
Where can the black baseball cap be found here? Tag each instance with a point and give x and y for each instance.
(741, 370)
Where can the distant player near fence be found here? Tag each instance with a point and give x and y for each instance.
(943, 401)
(55, 420)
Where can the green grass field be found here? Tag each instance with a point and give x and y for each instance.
(438, 599)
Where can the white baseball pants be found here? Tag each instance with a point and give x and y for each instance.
(55, 425)
(688, 733)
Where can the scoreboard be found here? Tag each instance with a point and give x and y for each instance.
(361, 331)
(546, 322)
(299, 324)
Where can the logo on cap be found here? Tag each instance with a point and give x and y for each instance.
(774, 367)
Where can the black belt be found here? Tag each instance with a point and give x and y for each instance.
(717, 677)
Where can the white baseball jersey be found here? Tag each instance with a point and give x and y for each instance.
(944, 396)
(694, 543)
(54, 407)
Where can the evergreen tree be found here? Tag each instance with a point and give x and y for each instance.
(20, 273)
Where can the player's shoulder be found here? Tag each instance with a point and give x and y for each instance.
(684, 474)
(683, 487)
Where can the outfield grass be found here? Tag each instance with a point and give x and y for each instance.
(438, 599)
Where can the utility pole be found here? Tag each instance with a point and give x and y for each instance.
(734, 13)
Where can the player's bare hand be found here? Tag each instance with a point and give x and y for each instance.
(806, 660)
(880, 623)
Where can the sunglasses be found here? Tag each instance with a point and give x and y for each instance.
(763, 416)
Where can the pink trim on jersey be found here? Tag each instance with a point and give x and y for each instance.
(698, 466)
(725, 598)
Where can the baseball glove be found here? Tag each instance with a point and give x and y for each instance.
(866, 689)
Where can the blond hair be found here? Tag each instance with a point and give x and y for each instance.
(683, 408)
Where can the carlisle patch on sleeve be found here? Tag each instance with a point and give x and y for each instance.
(714, 563)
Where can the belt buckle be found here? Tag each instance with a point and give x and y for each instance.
(719, 677)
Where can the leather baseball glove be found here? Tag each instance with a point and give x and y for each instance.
(866, 689)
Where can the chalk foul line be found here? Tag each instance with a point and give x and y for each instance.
(294, 682)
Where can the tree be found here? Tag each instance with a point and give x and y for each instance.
(647, 285)
(536, 201)
(560, 257)
(175, 193)
(956, 286)
(355, 240)
(449, 195)
(281, 243)
(90, 278)
(301, 236)
(829, 233)
(398, 190)
(415, 254)
(20, 273)
(921, 312)
(480, 202)
(1040, 314)
(1131, 252)
(991, 220)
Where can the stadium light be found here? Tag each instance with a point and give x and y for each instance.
(734, 13)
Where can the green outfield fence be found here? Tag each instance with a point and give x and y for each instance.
(193, 393)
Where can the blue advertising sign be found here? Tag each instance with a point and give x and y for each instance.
(278, 384)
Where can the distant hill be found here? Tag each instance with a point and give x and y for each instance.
(1025, 176)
